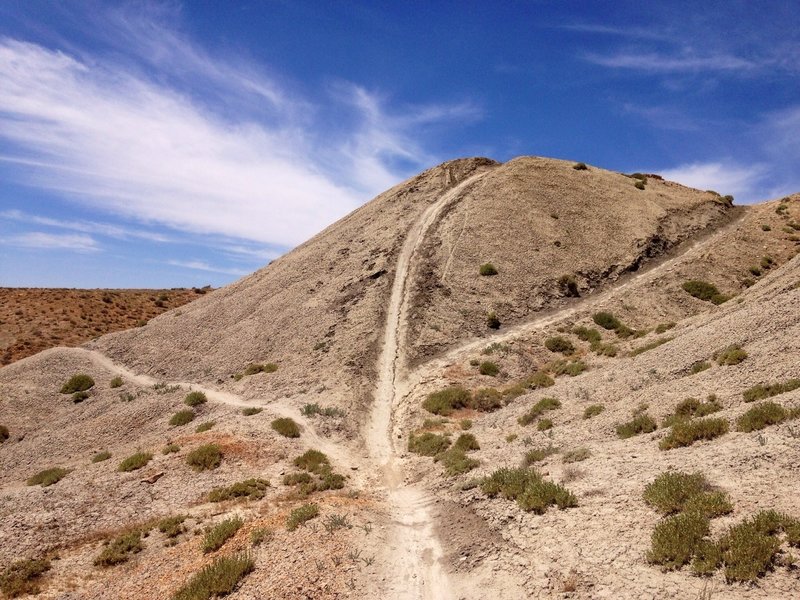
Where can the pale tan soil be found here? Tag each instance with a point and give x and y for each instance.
(424, 536)
(34, 319)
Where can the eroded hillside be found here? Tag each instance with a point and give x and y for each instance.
(288, 436)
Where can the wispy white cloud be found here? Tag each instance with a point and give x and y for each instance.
(201, 265)
(40, 240)
(625, 32)
(675, 63)
(744, 182)
(91, 227)
(149, 149)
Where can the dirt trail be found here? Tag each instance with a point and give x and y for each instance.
(416, 571)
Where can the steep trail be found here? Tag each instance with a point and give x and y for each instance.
(416, 571)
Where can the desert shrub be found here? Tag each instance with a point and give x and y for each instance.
(608, 321)
(559, 344)
(77, 383)
(259, 535)
(670, 491)
(587, 335)
(48, 477)
(699, 367)
(204, 426)
(650, 346)
(544, 424)
(537, 455)
(445, 401)
(172, 527)
(702, 290)
(220, 578)
(116, 382)
(569, 286)
(465, 424)
(486, 400)
(170, 449)
(761, 392)
(709, 504)
(641, 423)
(286, 426)
(676, 539)
(760, 416)
(580, 166)
(662, 327)
(749, 549)
(487, 270)
(527, 486)
(299, 516)
(593, 410)
(3, 433)
(456, 462)
(466, 442)
(539, 380)
(205, 457)
(313, 461)
(492, 320)
(692, 407)
(687, 432)
(220, 533)
(253, 368)
(251, 410)
(488, 368)
(252, 489)
(577, 455)
(732, 355)
(182, 417)
(639, 184)
(301, 479)
(22, 577)
(310, 410)
(195, 399)
(134, 462)
(101, 456)
(756, 271)
(428, 444)
(79, 397)
(767, 262)
(120, 549)
(538, 409)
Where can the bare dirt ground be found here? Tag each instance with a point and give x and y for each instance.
(406, 530)
(35, 319)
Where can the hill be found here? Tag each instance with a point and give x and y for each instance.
(615, 298)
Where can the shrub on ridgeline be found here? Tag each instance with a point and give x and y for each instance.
(77, 383)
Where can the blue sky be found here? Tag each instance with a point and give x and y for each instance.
(155, 144)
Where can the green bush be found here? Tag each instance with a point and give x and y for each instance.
(313, 461)
(260, 535)
(492, 320)
(488, 368)
(670, 491)
(580, 166)
(79, 397)
(569, 286)
(640, 184)
(172, 527)
(195, 399)
(692, 407)
(762, 415)
(466, 442)
(220, 533)
(101, 456)
(486, 400)
(220, 578)
(205, 457)
(606, 320)
(310, 410)
(445, 401)
(116, 382)
(428, 444)
(650, 346)
(204, 426)
(299, 516)
(487, 270)
(456, 461)
(286, 426)
(539, 380)
(251, 410)
(662, 327)
(170, 449)
(77, 383)
(587, 335)
(641, 423)
(593, 410)
(544, 424)
(687, 432)
(559, 344)
(48, 477)
(182, 417)
(702, 290)
(761, 392)
(749, 549)
(252, 489)
(134, 462)
(528, 488)
(676, 539)
(699, 367)
(22, 577)
(120, 549)
(538, 409)
(732, 355)
(538, 455)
